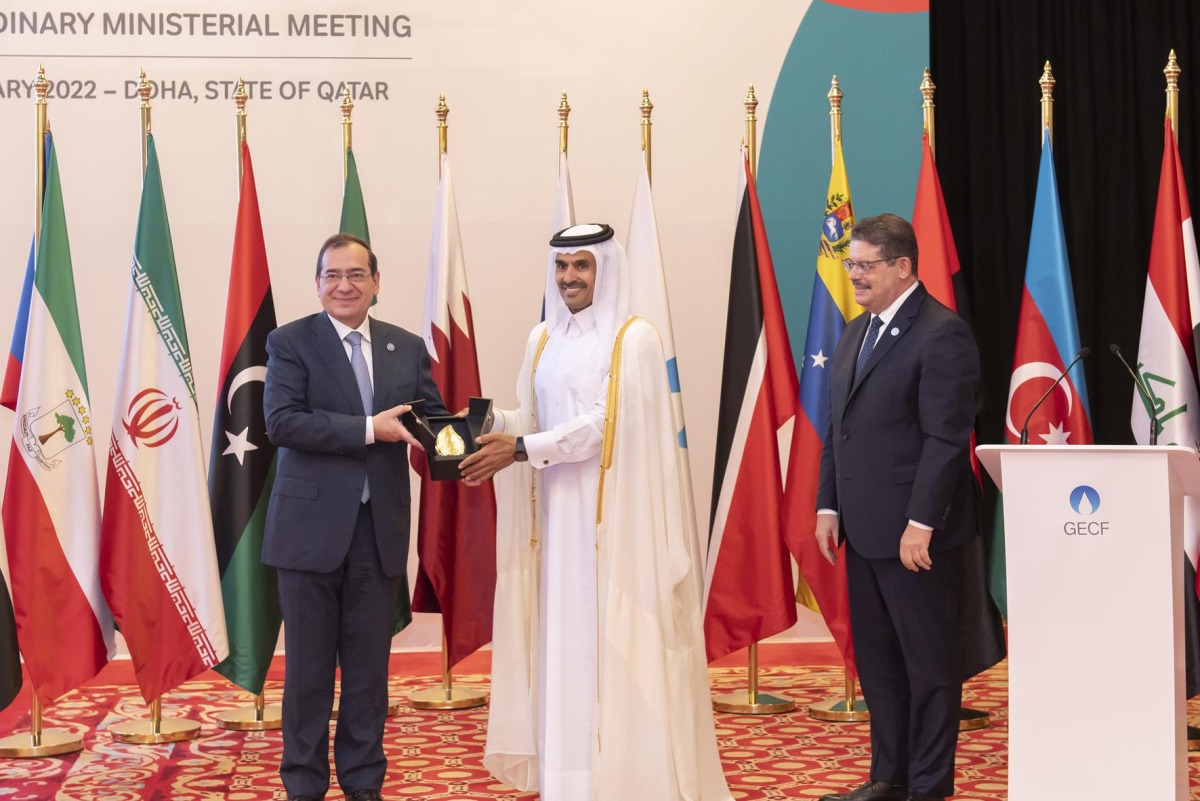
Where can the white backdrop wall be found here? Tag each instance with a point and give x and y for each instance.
(501, 67)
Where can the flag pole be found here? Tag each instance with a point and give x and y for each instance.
(564, 111)
(849, 708)
(262, 716)
(647, 109)
(969, 719)
(753, 702)
(347, 107)
(447, 696)
(39, 742)
(156, 729)
(927, 110)
(1172, 71)
(1047, 83)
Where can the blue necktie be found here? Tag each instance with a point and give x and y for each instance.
(358, 363)
(869, 343)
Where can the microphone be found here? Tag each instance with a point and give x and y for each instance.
(1083, 352)
(1143, 391)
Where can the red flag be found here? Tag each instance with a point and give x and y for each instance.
(980, 630)
(748, 593)
(456, 524)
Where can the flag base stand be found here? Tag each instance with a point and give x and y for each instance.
(752, 702)
(973, 719)
(448, 698)
(39, 742)
(839, 710)
(260, 717)
(46, 743)
(1193, 738)
(155, 730)
(393, 708)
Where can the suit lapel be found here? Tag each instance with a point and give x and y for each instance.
(333, 352)
(843, 370)
(892, 333)
(383, 363)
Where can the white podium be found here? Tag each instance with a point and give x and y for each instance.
(1094, 543)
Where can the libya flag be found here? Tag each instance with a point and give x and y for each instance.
(241, 467)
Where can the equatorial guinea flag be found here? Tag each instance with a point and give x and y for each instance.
(456, 524)
(748, 592)
(51, 496)
(1167, 363)
(241, 466)
(158, 564)
(822, 585)
(1047, 341)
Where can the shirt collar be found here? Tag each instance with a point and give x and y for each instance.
(583, 321)
(343, 329)
(887, 314)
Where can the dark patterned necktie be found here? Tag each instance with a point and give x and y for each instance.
(869, 343)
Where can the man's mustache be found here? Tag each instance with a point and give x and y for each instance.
(573, 285)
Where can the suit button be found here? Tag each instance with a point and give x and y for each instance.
(845, 437)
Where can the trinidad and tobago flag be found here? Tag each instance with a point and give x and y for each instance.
(241, 466)
(748, 593)
(456, 524)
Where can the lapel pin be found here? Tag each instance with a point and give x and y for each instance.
(895, 332)
(390, 346)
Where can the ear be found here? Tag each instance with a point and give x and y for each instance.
(904, 267)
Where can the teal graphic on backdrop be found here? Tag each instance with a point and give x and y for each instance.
(878, 58)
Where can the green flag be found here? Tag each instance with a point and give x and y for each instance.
(354, 211)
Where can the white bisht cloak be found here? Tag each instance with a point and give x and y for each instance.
(656, 739)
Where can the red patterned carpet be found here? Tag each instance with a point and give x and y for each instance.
(436, 755)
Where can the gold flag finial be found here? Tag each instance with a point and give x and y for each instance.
(751, 104)
(143, 89)
(41, 86)
(1172, 72)
(835, 116)
(646, 108)
(927, 107)
(239, 117)
(1047, 83)
(442, 111)
(239, 97)
(564, 111)
(347, 106)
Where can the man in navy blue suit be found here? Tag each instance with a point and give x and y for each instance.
(897, 487)
(337, 524)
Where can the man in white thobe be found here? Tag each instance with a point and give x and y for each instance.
(599, 683)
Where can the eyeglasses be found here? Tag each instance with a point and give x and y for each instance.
(865, 267)
(355, 276)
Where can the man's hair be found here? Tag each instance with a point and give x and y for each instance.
(343, 240)
(891, 234)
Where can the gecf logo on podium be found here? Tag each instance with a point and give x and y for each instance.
(1085, 502)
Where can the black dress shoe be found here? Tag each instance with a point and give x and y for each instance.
(365, 795)
(872, 791)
